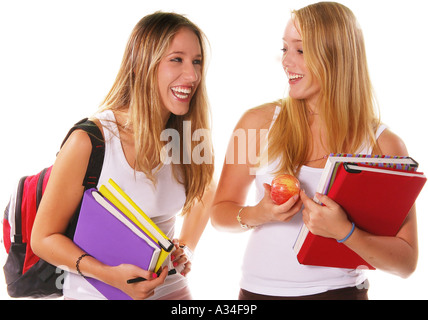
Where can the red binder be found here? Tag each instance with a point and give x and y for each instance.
(377, 200)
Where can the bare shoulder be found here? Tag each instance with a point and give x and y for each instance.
(392, 144)
(259, 117)
(78, 140)
(76, 151)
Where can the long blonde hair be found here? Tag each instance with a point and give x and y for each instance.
(334, 53)
(136, 92)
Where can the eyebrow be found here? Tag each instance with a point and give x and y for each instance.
(294, 40)
(183, 53)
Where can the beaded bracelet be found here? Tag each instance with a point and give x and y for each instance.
(78, 263)
(187, 251)
(349, 234)
(243, 225)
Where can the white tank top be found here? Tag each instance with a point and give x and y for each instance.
(160, 203)
(270, 265)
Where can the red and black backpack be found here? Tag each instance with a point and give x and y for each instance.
(26, 274)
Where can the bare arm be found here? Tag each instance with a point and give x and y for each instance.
(237, 177)
(399, 254)
(60, 200)
(193, 226)
(196, 220)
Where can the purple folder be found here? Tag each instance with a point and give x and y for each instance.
(107, 239)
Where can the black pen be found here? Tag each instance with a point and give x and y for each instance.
(140, 279)
(135, 280)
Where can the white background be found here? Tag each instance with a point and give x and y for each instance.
(59, 58)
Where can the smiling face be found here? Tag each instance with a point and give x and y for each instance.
(303, 85)
(179, 73)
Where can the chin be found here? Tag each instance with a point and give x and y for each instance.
(296, 96)
(180, 112)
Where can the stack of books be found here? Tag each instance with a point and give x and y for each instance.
(377, 193)
(114, 230)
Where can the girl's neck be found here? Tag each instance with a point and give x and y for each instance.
(312, 108)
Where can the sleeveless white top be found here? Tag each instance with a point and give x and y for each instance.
(160, 203)
(270, 265)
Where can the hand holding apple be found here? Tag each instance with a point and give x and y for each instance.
(284, 186)
(268, 211)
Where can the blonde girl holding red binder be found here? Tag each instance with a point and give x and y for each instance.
(160, 85)
(330, 109)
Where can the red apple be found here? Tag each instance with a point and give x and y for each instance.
(284, 186)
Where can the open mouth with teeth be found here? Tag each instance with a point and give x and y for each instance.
(182, 93)
(294, 77)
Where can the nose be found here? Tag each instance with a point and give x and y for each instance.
(192, 73)
(287, 60)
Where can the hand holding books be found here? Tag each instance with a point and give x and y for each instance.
(328, 220)
(115, 231)
(138, 283)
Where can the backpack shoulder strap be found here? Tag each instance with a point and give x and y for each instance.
(97, 155)
(95, 164)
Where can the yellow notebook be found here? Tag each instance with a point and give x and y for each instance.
(124, 203)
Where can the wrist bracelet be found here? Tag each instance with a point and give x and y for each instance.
(349, 234)
(78, 263)
(187, 251)
(243, 225)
